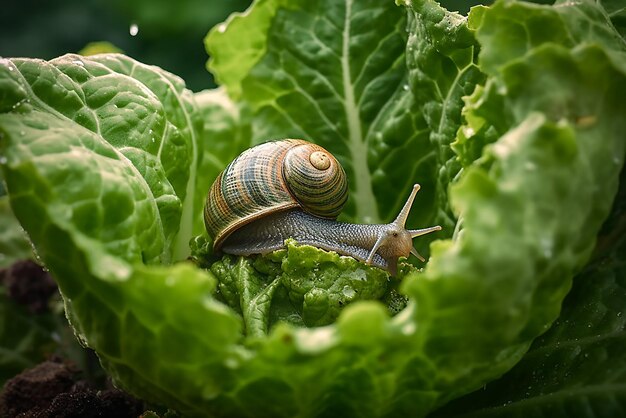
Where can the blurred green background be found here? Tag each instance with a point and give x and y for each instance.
(165, 33)
(170, 33)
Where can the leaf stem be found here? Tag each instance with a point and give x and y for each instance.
(366, 207)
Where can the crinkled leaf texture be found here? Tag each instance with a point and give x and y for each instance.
(541, 145)
(301, 285)
(578, 367)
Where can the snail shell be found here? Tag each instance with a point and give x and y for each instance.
(273, 177)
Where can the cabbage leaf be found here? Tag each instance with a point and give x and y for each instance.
(512, 119)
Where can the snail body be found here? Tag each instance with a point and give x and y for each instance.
(296, 189)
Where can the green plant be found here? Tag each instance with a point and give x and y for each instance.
(511, 119)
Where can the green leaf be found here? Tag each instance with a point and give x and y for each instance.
(175, 128)
(233, 56)
(14, 244)
(615, 10)
(150, 122)
(579, 366)
(247, 291)
(302, 285)
(441, 62)
(333, 73)
(530, 208)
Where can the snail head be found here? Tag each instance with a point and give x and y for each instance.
(395, 241)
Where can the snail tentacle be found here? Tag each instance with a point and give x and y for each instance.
(396, 240)
(374, 249)
(404, 212)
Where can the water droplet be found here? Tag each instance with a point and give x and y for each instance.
(134, 29)
(221, 28)
(22, 133)
(5, 62)
(619, 314)
(358, 275)
(348, 292)
(408, 328)
(547, 246)
(3, 160)
(405, 87)
(79, 63)
(468, 131)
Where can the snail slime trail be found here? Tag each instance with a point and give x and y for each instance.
(296, 189)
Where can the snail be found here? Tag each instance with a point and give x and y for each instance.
(292, 188)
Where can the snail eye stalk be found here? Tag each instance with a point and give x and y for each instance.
(404, 213)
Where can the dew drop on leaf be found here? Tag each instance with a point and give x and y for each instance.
(134, 29)
(468, 131)
(408, 328)
(348, 292)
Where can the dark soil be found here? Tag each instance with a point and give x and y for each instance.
(55, 389)
(52, 389)
(29, 285)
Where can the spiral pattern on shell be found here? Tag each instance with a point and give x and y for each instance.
(274, 176)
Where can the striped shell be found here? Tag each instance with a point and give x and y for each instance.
(274, 176)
